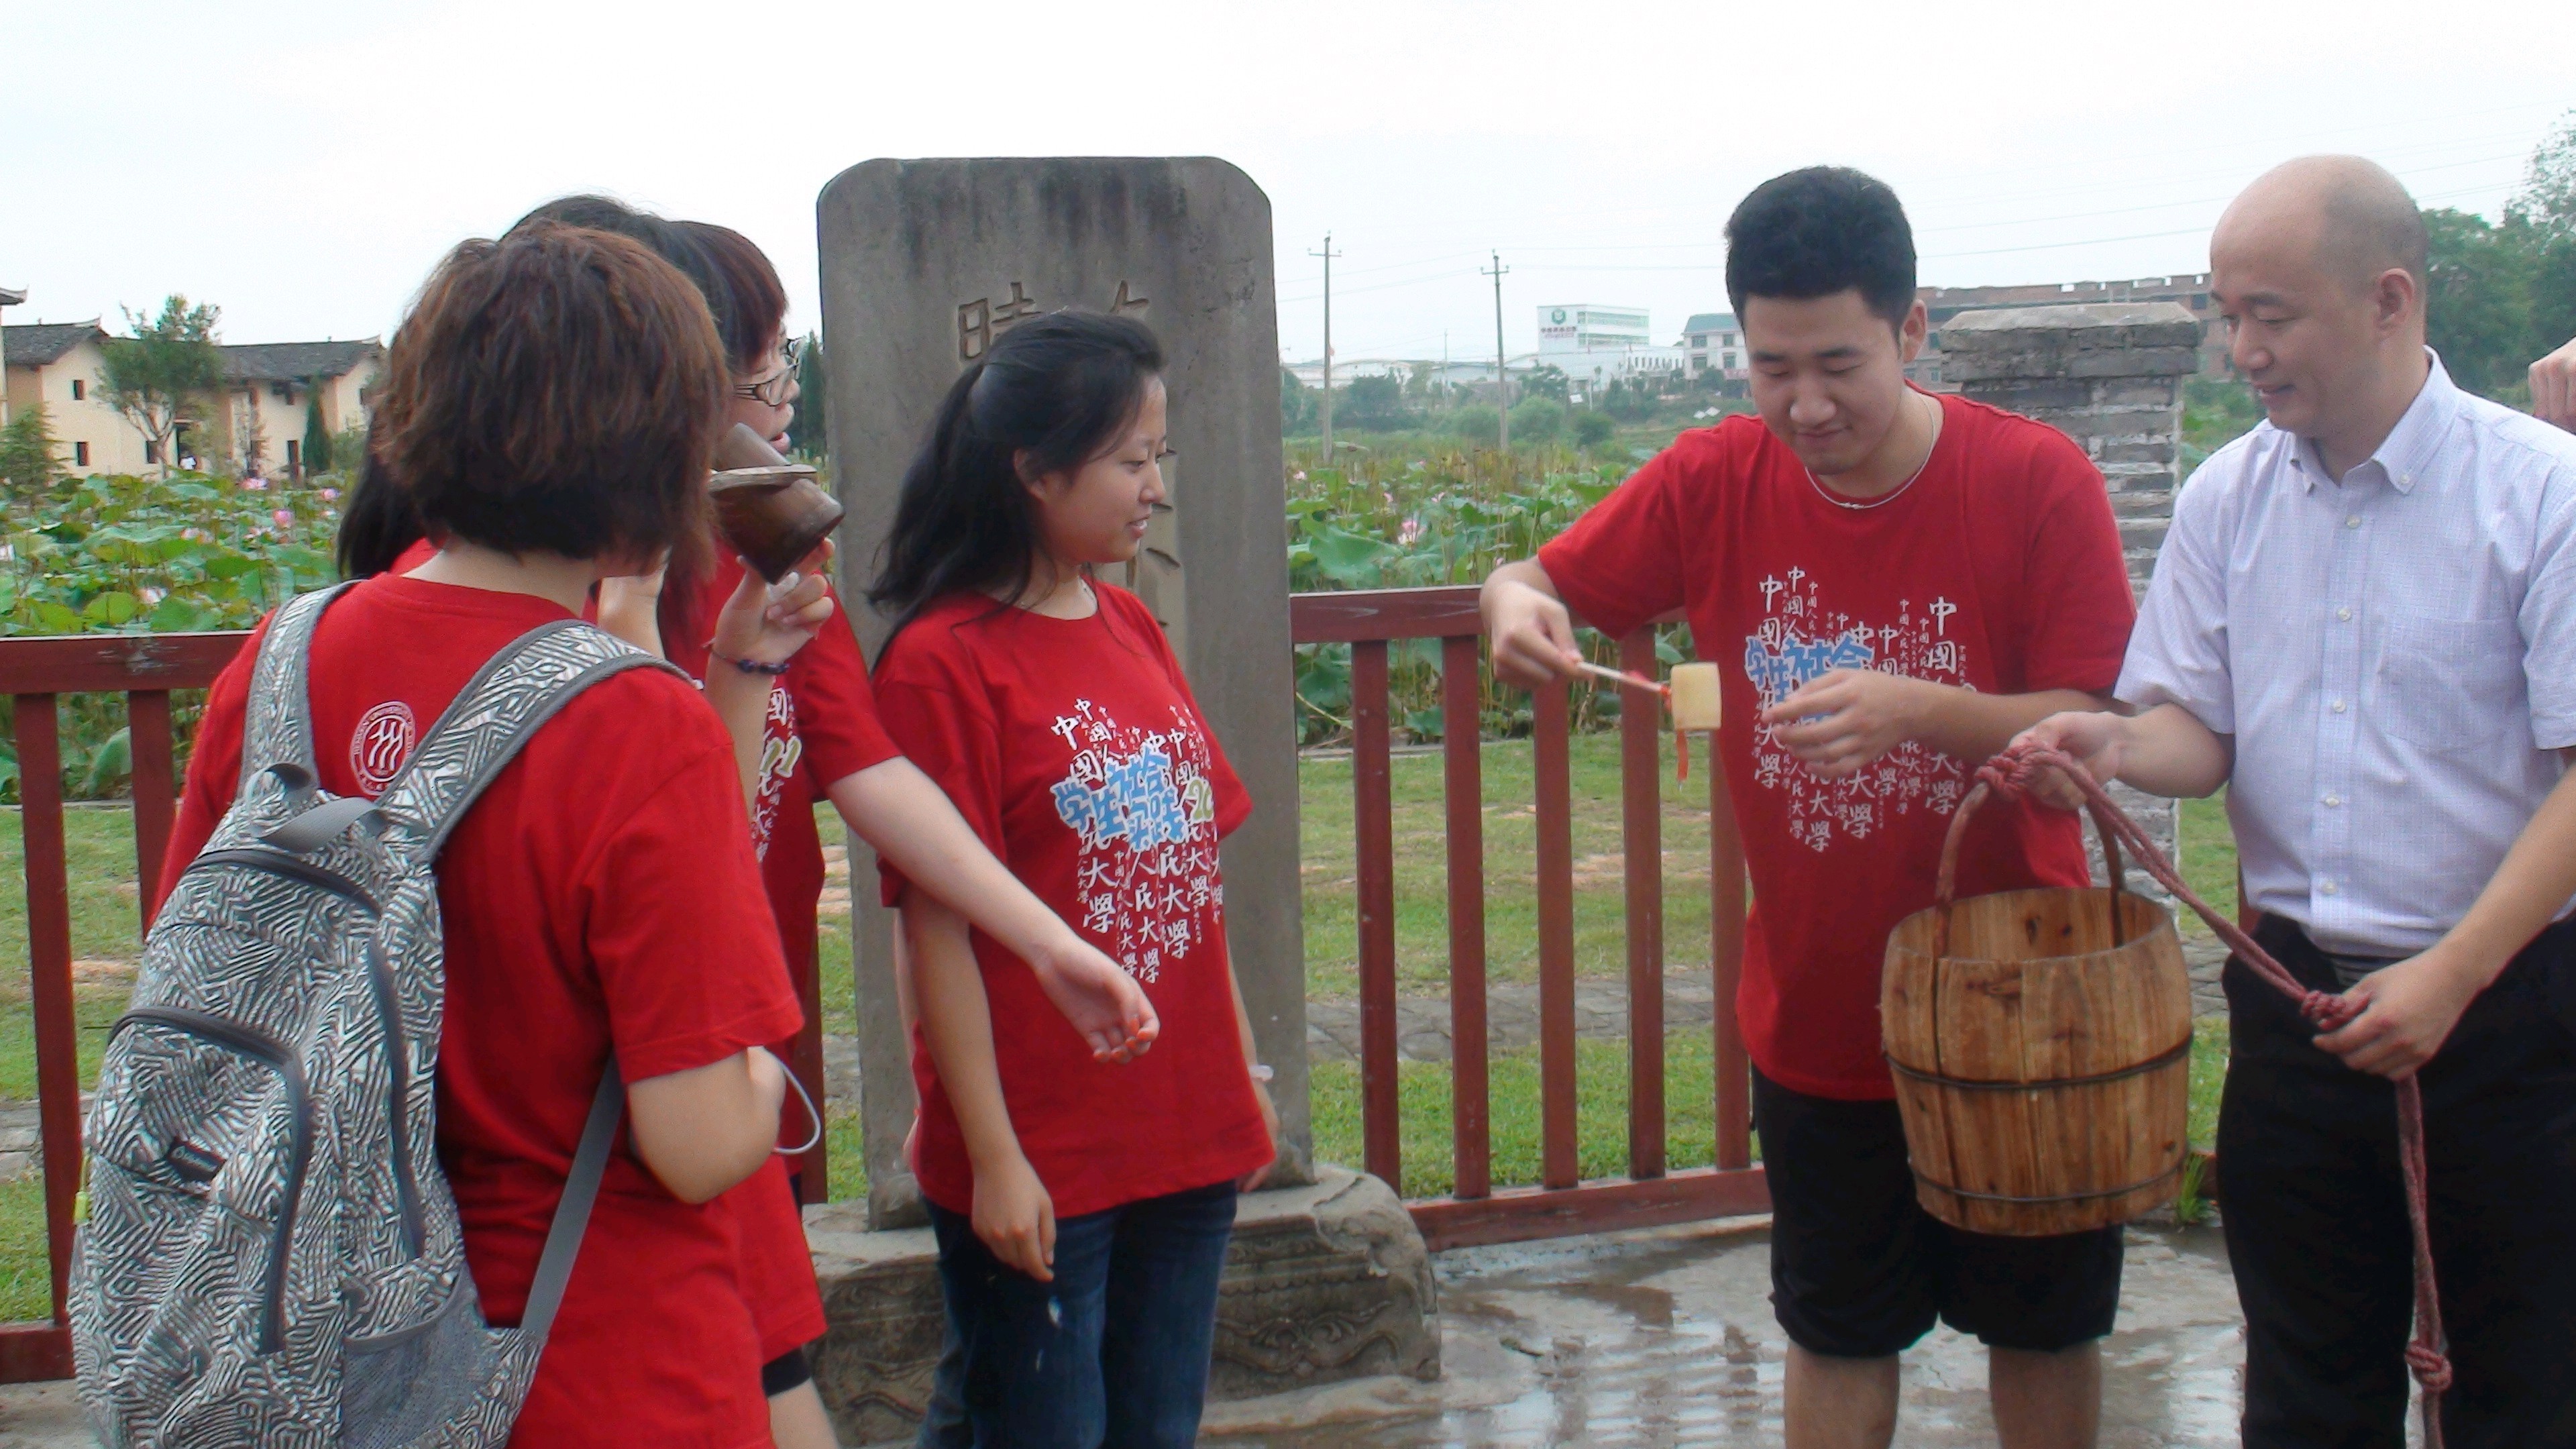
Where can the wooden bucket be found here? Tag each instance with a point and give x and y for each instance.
(2041, 1044)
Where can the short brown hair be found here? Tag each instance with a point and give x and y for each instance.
(559, 390)
(754, 304)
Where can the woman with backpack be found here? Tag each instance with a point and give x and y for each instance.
(818, 739)
(1082, 1211)
(550, 407)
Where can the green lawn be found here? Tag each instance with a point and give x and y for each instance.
(104, 936)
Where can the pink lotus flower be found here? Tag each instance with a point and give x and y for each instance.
(1411, 533)
(254, 484)
(330, 495)
(285, 520)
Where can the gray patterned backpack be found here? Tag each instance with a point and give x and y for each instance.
(271, 1255)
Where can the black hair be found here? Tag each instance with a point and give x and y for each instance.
(1051, 395)
(376, 522)
(1818, 231)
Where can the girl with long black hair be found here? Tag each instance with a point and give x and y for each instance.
(1082, 1210)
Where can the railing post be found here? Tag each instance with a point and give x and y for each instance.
(1726, 969)
(1641, 810)
(1560, 1163)
(1463, 786)
(49, 942)
(1373, 810)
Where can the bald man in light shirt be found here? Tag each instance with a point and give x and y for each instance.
(2363, 624)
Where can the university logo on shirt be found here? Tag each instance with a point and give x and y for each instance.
(1800, 641)
(382, 741)
(1140, 802)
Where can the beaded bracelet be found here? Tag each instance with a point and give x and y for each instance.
(747, 666)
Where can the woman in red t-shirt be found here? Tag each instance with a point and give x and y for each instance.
(550, 406)
(1082, 1211)
(819, 739)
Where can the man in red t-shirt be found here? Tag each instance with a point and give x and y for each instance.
(1893, 584)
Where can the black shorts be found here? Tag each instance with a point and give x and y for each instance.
(1860, 1270)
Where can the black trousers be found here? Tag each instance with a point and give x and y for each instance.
(2315, 1214)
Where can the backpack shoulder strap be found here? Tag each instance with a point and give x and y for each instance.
(572, 1210)
(483, 728)
(277, 727)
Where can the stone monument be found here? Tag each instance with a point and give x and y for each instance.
(925, 264)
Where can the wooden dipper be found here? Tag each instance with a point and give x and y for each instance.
(1694, 697)
(770, 511)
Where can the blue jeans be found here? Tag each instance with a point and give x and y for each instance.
(1111, 1355)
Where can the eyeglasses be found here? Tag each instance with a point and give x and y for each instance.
(771, 391)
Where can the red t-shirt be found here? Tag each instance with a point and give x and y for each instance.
(1075, 750)
(822, 728)
(602, 891)
(1998, 570)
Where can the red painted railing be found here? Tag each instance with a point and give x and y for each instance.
(146, 668)
(1475, 1212)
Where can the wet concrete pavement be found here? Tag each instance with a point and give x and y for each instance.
(1660, 1338)
(1666, 1338)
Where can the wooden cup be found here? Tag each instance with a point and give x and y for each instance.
(771, 511)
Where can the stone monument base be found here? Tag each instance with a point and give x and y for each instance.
(1324, 1282)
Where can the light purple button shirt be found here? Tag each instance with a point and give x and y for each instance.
(2394, 652)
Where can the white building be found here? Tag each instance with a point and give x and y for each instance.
(267, 387)
(1595, 345)
(1713, 341)
(61, 366)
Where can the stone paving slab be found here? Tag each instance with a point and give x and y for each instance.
(1666, 1338)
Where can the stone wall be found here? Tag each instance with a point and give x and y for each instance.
(2109, 376)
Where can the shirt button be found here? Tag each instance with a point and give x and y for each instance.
(2333, 800)
(2325, 887)
(2338, 706)
(2352, 520)
(2344, 615)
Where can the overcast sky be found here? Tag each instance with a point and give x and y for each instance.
(302, 165)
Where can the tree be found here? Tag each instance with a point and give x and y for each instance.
(806, 432)
(2477, 302)
(29, 453)
(1591, 429)
(164, 370)
(1375, 404)
(1538, 419)
(1296, 405)
(317, 437)
(1546, 380)
(2547, 204)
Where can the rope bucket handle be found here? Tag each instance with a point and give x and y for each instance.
(2019, 770)
(1945, 890)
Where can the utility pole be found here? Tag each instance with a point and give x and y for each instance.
(1328, 254)
(1502, 376)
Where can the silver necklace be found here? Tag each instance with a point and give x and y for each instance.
(1883, 499)
(1879, 502)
